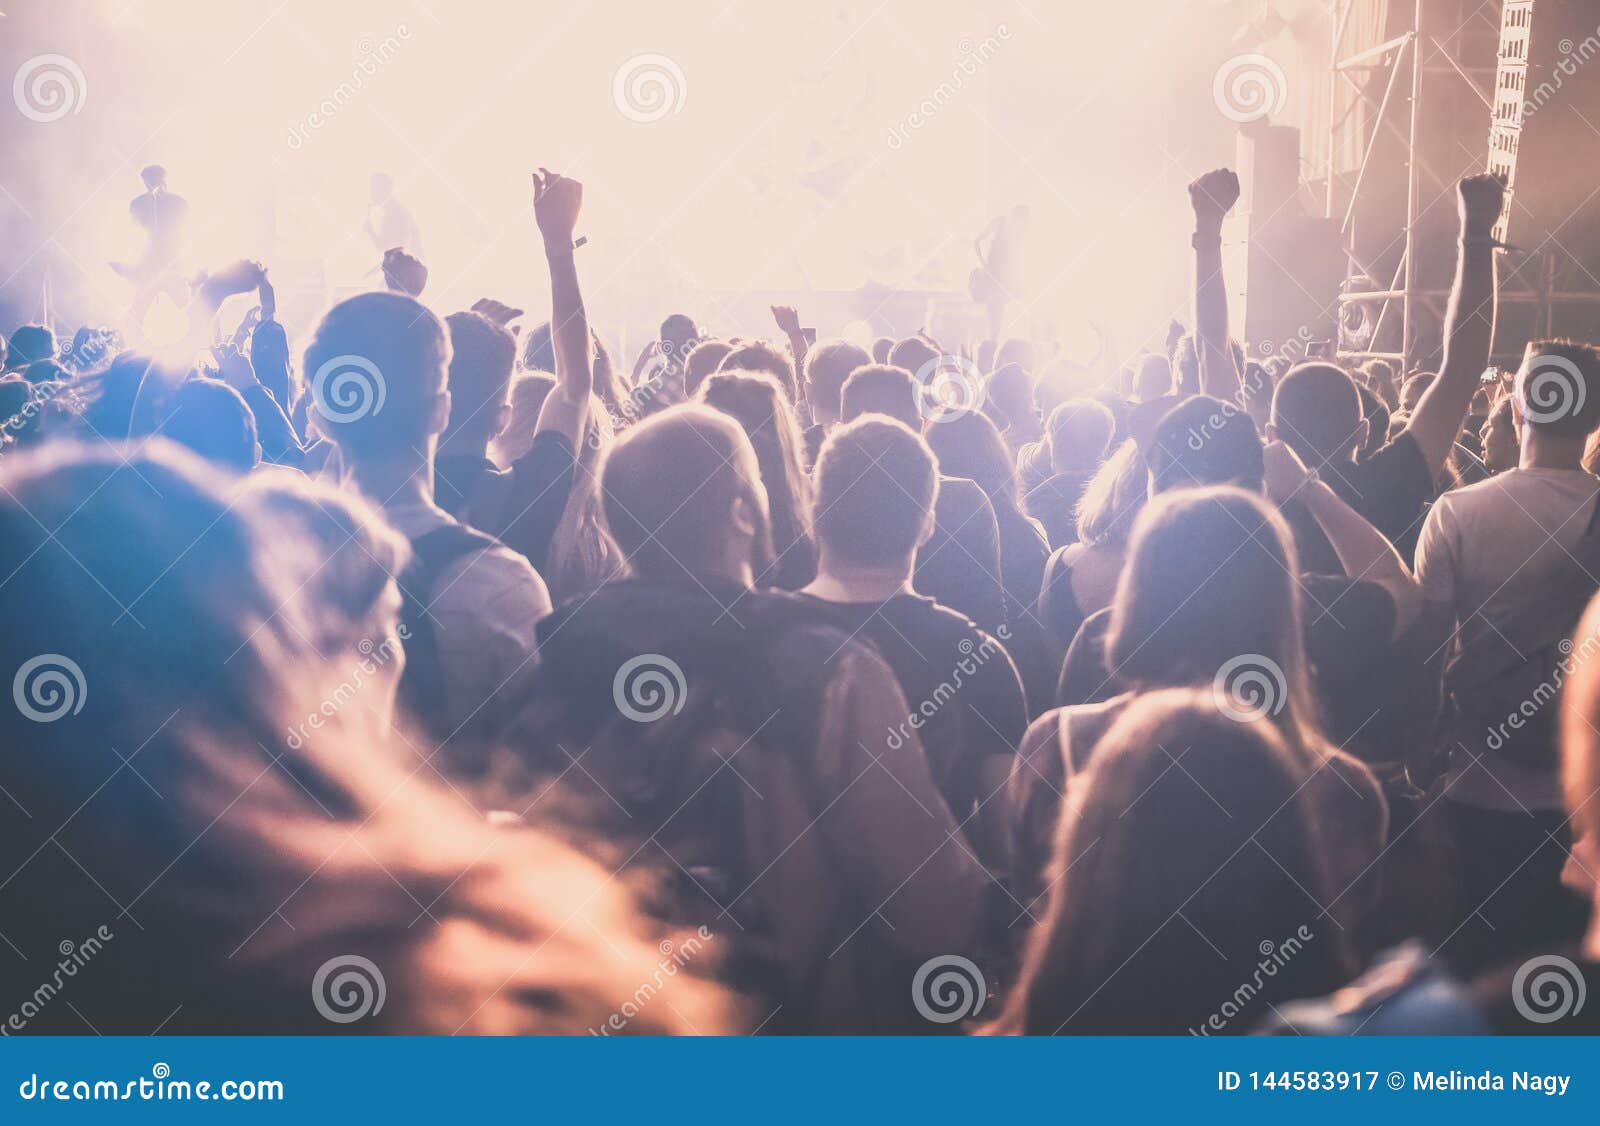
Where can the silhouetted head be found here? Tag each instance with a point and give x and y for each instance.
(683, 497)
(876, 483)
(1079, 432)
(1204, 441)
(828, 365)
(1558, 389)
(376, 372)
(761, 356)
(881, 389)
(154, 176)
(482, 354)
(1316, 412)
(213, 420)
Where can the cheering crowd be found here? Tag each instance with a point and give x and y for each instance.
(440, 675)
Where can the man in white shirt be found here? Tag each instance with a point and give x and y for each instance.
(377, 368)
(1512, 561)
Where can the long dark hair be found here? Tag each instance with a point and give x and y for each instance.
(219, 841)
(759, 404)
(970, 445)
(1187, 896)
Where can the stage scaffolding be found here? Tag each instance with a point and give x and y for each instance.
(1417, 58)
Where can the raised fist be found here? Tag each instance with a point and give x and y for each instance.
(1213, 196)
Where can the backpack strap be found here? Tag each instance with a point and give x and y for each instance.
(432, 554)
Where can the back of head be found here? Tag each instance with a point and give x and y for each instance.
(1113, 498)
(1317, 413)
(1412, 389)
(212, 419)
(679, 331)
(670, 485)
(1010, 390)
(29, 344)
(1204, 441)
(828, 365)
(758, 404)
(1165, 903)
(482, 355)
(761, 356)
(46, 371)
(913, 353)
(1153, 378)
(703, 359)
(154, 176)
(1376, 414)
(1210, 578)
(881, 348)
(970, 445)
(1016, 350)
(1558, 388)
(881, 389)
(376, 371)
(1080, 433)
(876, 482)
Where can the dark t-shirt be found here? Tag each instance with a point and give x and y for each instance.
(1392, 489)
(960, 683)
(520, 506)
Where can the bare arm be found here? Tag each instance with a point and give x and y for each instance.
(789, 324)
(1213, 196)
(1469, 325)
(556, 203)
(1363, 551)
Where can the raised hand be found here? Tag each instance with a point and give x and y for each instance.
(1480, 200)
(404, 273)
(556, 203)
(1213, 196)
(497, 311)
(234, 367)
(1285, 473)
(788, 320)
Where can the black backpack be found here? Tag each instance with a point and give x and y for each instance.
(422, 682)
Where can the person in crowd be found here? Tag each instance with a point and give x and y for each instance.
(760, 356)
(1510, 562)
(1008, 402)
(214, 421)
(1077, 440)
(28, 345)
(1081, 577)
(971, 446)
(471, 603)
(1208, 598)
(759, 405)
(1153, 378)
(876, 486)
(705, 358)
(529, 389)
(466, 483)
(959, 566)
(751, 750)
(1190, 852)
(828, 365)
(219, 861)
(1502, 448)
(881, 347)
(665, 355)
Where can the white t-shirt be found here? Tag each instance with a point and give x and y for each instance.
(1500, 555)
(483, 612)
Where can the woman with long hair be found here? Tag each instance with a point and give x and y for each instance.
(1208, 598)
(1081, 578)
(761, 407)
(223, 843)
(1190, 882)
(970, 445)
